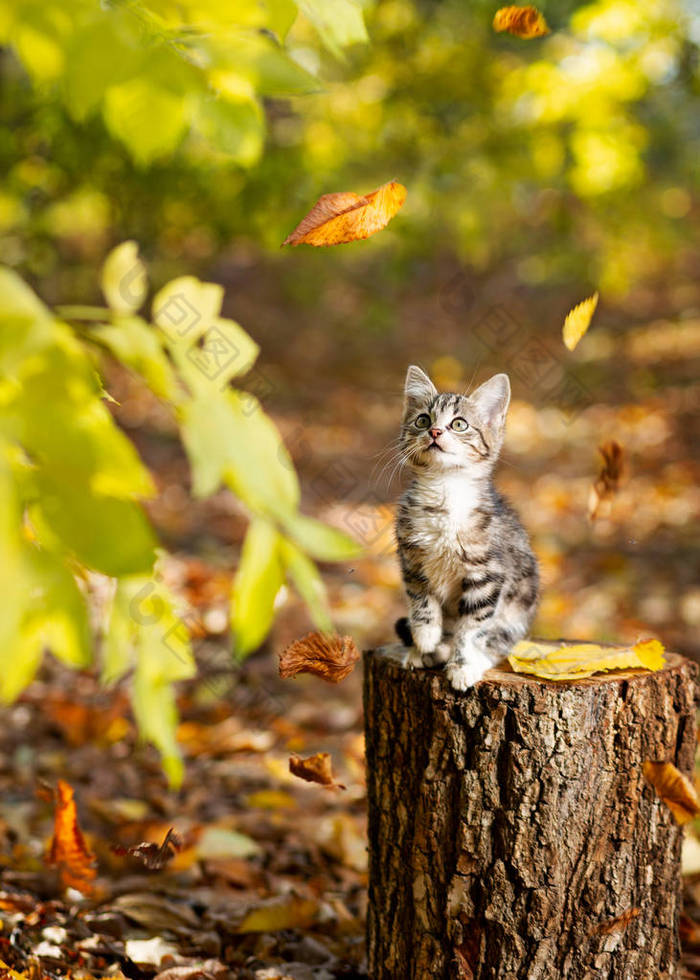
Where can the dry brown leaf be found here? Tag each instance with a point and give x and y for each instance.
(315, 769)
(675, 789)
(69, 852)
(153, 856)
(578, 321)
(348, 217)
(526, 22)
(608, 482)
(329, 657)
(618, 924)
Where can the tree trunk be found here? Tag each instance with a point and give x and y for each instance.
(511, 831)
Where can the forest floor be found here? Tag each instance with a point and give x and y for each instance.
(270, 881)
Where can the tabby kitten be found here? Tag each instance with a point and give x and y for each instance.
(469, 572)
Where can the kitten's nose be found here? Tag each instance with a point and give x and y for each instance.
(435, 432)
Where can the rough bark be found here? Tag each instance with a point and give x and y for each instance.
(511, 826)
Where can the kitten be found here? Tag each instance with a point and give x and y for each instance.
(468, 569)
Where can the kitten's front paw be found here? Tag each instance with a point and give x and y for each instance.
(462, 676)
(414, 658)
(426, 636)
(437, 657)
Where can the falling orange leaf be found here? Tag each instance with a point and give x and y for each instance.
(329, 657)
(675, 789)
(578, 321)
(525, 22)
(348, 217)
(608, 482)
(69, 852)
(316, 769)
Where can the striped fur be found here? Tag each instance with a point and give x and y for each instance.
(469, 573)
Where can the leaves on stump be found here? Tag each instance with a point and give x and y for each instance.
(573, 661)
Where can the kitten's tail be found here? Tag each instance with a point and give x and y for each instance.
(403, 631)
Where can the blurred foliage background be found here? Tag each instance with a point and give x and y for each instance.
(536, 172)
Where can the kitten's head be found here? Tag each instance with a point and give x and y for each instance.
(447, 431)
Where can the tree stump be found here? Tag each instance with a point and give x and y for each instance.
(511, 831)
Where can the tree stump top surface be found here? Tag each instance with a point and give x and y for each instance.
(504, 675)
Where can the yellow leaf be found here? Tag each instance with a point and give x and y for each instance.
(290, 912)
(526, 22)
(675, 789)
(348, 217)
(578, 321)
(565, 662)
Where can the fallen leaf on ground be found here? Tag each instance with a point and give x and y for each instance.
(618, 924)
(329, 657)
(675, 789)
(348, 217)
(525, 22)
(578, 321)
(316, 769)
(153, 856)
(290, 912)
(69, 852)
(608, 482)
(573, 661)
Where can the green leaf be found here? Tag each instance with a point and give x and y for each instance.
(320, 540)
(138, 345)
(229, 438)
(58, 611)
(107, 534)
(262, 63)
(308, 583)
(149, 120)
(236, 129)
(338, 22)
(58, 418)
(123, 279)
(184, 308)
(258, 580)
(103, 53)
(223, 352)
(18, 300)
(145, 630)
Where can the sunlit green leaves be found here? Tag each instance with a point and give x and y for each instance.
(321, 541)
(149, 119)
(145, 633)
(123, 279)
(308, 583)
(258, 580)
(339, 22)
(137, 344)
(234, 128)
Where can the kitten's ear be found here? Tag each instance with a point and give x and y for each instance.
(419, 389)
(493, 398)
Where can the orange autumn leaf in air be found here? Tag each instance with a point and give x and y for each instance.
(315, 769)
(329, 657)
(525, 22)
(675, 789)
(69, 852)
(348, 217)
(608, 482)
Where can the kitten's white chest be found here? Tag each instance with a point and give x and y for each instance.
(443, 508)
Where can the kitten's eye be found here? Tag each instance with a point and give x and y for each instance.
(422, 421)
(459, 424)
